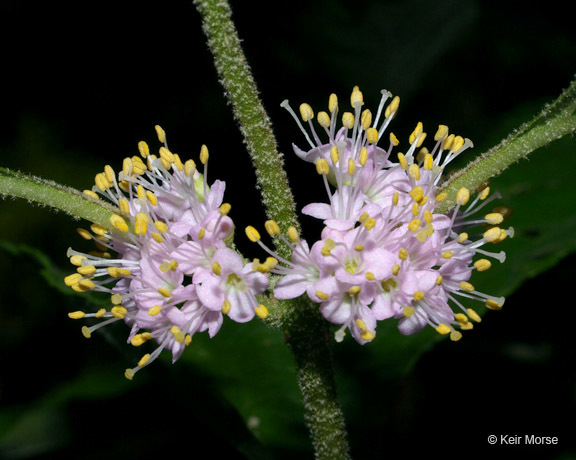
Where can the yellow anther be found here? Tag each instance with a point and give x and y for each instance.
(226, 306)
(177, 163)
(439, 280)
(261, 311)
(152, 198)
(484, 193)
(416, 133)
(85, 285)
(216, 268)
(492, 234)
(124, 206)
(466, 286)
(178, 334)
(116, 299)
(155, 310)
(441, 133)
(359, 247)
(204, 154)
(354, 290)
(76, 315)
(408, 311)
(417, 193)
(118, 223)
(367, 336)
(392, 107)
(394, 140)
(414, 171)
(188, 340)
(77, 260)
(455, 336)
(324, 119)
(494, 305)
(418, 295)
(395, 269)
(332, 102)
(322, 166)
(361, 325)
(351, 166)
(402, 160)
(325, 251)
(447, 142)
(119, 312)
(443, 196)
(164, 292)
(330, 243)
(348, 120)
(395, 198)
(494, 218)
(157, 237)
(129, 374)
(428, 162)
(86, 270)
(138, 166)
(141, 191)
(370, 276)
(86, 332)
(482, 265)
(252, 234)
(272, 227)
(189, 168)
(306, 112)
(457, 144)
(363, 217)
(466, 326)
(372, 135)
(101, 312)
(356, 98)
(225, 209)
(201, 233)
(110, 174)
(363, 156)
(334, 154)
(144, 360)
(162, 227)
(321, 295)
(414, 224)
(463, 196)
(101, 182)
(447, 254)
(366, 120)
(443, 329)
(428, 216)
(370, 223)
(143, 149)
(461, 318)
(141, 224)
(91, 194)
(160, 133)
(293, 235)
(463, 237)
(403, 254)
(474, 316)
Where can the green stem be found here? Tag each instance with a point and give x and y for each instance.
(555, 121)
(41, 191)
(300, 320)
(255, 125)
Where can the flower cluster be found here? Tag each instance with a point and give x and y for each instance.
(165, 261)
(385, 250)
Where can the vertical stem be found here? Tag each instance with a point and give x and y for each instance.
(301, 321)
(255, 125)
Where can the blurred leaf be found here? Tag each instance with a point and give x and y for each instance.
(254, 370)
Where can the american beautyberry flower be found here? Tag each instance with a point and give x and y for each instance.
(385, 251)
(163, 259)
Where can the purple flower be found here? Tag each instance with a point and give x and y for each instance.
(158, 264)
(385, 251)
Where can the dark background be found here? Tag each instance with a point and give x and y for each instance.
(84, 82)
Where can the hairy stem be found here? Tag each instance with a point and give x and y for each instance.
(554, 121)
(48, 193)
(241, 91)
(300, 320)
